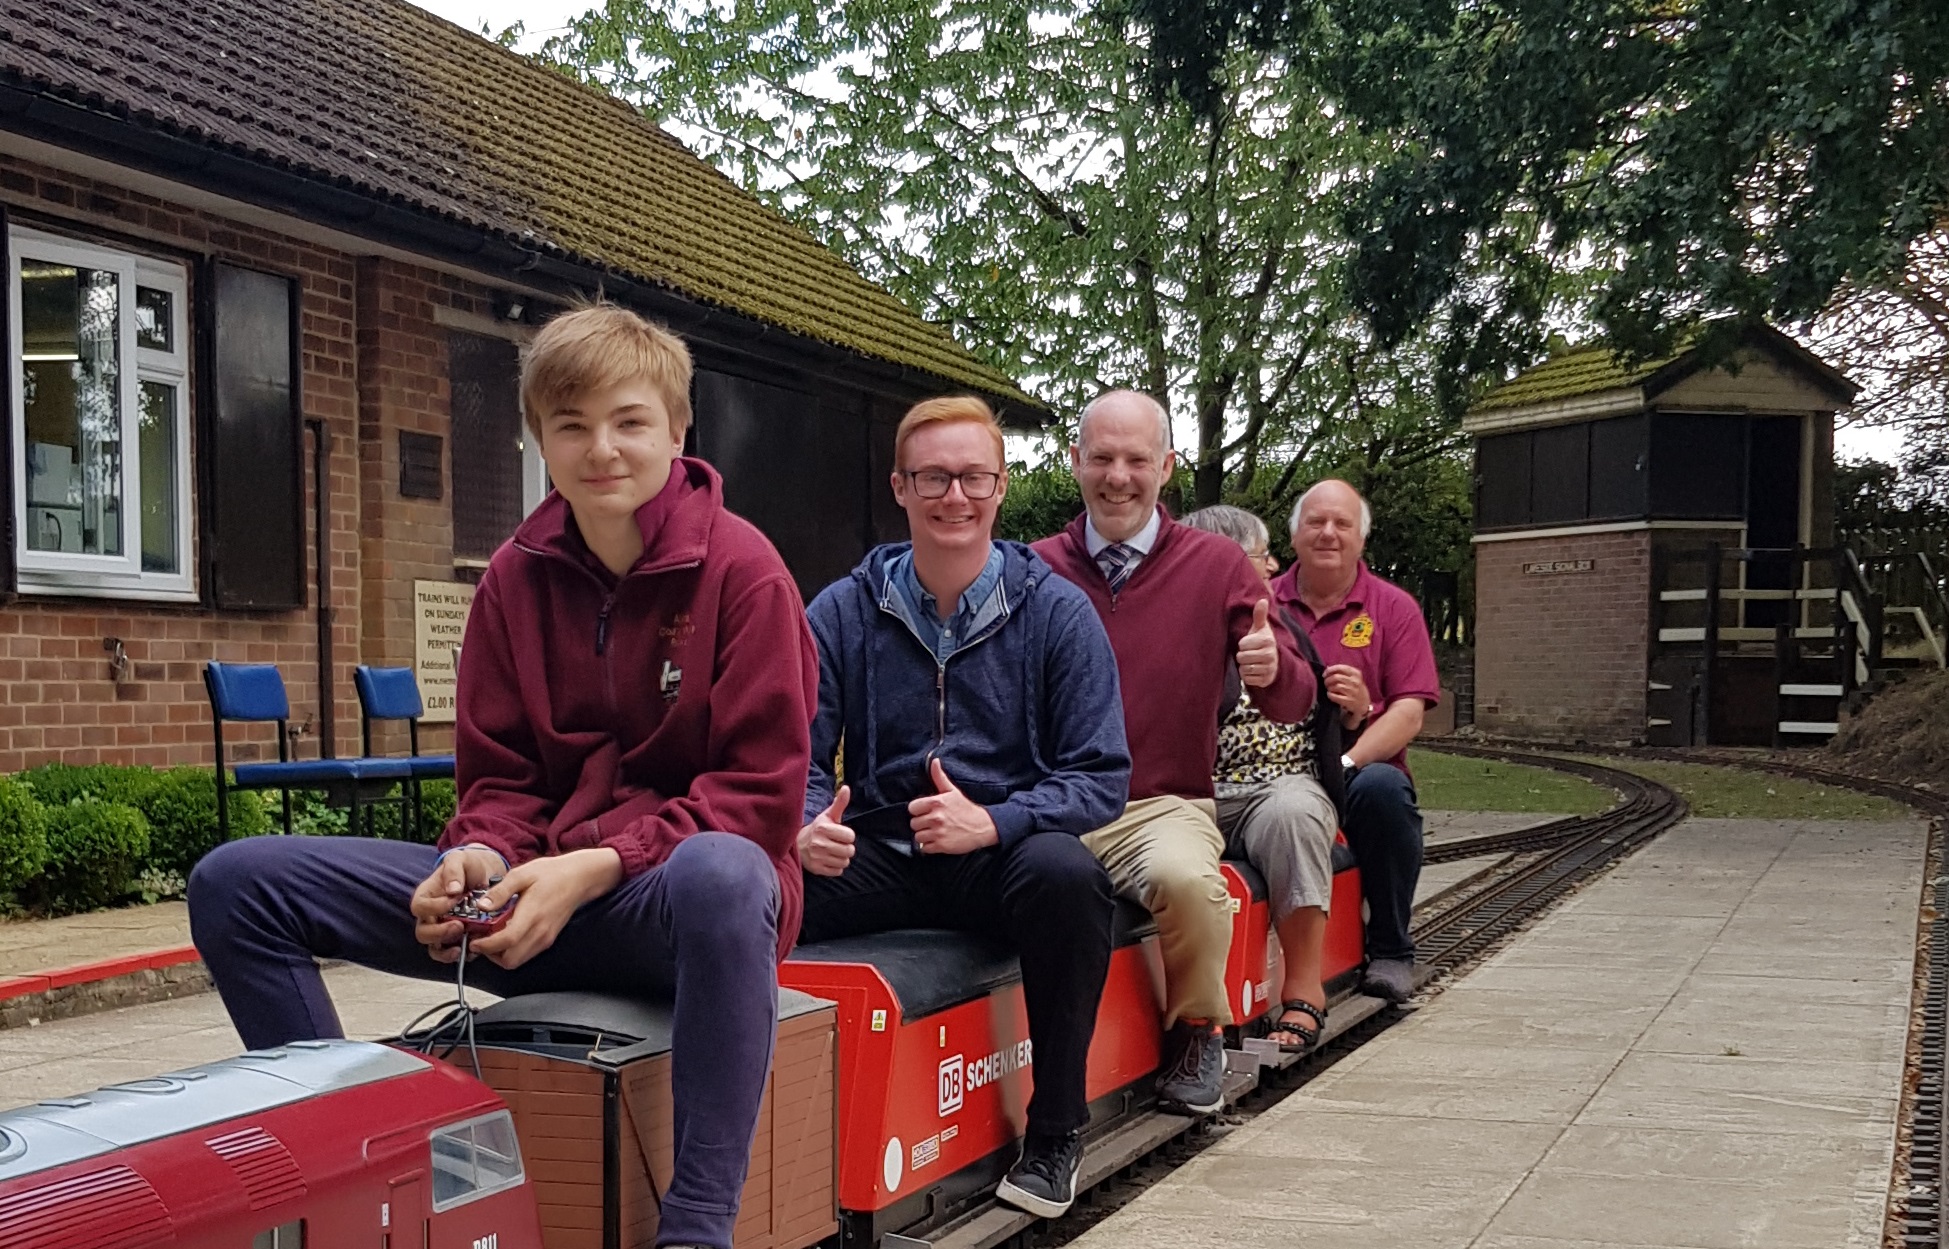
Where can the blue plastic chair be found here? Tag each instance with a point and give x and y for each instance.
(394, 694)
(255, 693)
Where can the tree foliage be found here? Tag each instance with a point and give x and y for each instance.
(1702, 156)
(1892, 336)
(1003, 166)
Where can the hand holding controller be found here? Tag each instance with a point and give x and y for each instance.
(475, 919)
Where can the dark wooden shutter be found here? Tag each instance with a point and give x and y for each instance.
(792, 467)
(1502, 480)
(8, 416)
(1559, 480)
(1698, 466)
(1619, 454)
(253, 438)
(484, 382)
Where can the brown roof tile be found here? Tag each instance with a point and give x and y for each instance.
(381, 98)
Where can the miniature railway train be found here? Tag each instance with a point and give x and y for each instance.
(897, 1094)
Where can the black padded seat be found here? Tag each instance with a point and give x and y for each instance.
(605, 1027)
(1254, 882)
(934, 969)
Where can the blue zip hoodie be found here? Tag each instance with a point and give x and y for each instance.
(1025, 714)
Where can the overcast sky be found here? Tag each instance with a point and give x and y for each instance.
(547, 17)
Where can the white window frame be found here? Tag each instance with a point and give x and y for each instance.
(108, 576)
(534, 473)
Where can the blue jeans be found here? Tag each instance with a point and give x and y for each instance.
(703, 926)
(1383, 828)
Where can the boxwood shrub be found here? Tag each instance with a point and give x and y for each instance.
(181, 807)
(95, 850)
(23, 836)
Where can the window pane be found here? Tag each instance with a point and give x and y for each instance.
(453, 1165)
(497, 1154)
(287, 1236)
(159, 503)
(71, 378)
(155, 319)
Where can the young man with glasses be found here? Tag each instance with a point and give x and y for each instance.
(972, 695)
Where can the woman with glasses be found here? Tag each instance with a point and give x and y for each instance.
(1276, 815)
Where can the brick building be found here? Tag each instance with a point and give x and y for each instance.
(1598, 485)
(268, 269)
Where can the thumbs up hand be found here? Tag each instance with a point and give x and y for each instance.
(946, 822)
(1258, 650)
(826, 845)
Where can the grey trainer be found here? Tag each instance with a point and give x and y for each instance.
(1193, 1083)
(1391, 979)
(1043, 1180)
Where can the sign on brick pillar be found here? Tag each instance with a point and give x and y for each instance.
(439, 623)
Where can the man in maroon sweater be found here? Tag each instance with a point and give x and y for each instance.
(1178, 604)
(632, 749)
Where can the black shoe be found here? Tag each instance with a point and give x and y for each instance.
(1043, 1179)
(1194, 1083)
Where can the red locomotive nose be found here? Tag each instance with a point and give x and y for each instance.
(315, 1143)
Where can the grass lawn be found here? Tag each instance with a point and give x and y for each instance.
(1736, 793)
(1452, 783)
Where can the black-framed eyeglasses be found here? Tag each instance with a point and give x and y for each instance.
(932, 483)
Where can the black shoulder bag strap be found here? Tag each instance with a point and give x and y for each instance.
(1324, 724)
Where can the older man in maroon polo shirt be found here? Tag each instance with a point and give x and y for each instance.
(1381, 673)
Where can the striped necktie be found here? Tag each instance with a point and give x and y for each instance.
(1115, 562)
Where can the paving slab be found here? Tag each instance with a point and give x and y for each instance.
(1702, 1050)
(41, 945)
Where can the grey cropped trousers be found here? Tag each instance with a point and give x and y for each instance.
(1285, 829)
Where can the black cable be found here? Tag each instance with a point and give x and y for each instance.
(459, 1017)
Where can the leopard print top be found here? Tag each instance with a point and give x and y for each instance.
(1253, 750)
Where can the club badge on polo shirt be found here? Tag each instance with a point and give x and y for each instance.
(1358, 633)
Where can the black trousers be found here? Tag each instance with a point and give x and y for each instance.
(1046, 896)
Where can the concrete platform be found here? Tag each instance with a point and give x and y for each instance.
(1703, 1050)
(42, 945)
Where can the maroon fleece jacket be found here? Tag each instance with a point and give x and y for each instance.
(632, 712)
(1174, 626)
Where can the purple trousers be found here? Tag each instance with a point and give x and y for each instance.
(702, 927)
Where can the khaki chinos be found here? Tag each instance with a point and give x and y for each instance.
(1163, 852)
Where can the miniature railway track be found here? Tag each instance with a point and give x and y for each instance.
(1473, 919)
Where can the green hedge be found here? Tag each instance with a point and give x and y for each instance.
(58, 784)
(77, 837)
(95, 850)
(181, 807)
(23, 836)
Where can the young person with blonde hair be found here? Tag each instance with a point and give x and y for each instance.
(631, 751)
(975, 697)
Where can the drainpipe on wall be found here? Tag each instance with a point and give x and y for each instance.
(321, 441)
